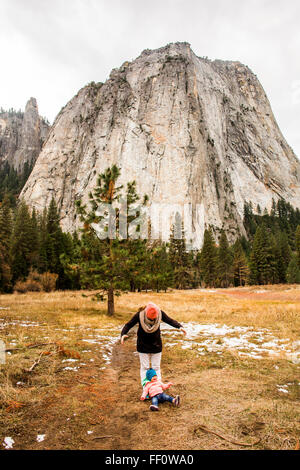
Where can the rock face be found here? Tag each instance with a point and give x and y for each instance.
(187, 129)
(22, 135)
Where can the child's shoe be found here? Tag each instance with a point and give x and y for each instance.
(176, 401)
(153, 408)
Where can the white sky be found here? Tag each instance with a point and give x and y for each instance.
(51, 49)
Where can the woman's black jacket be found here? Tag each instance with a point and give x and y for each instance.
(148, 342)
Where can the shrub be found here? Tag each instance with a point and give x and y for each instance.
(30, 285)
(48, 281)
(37, 282)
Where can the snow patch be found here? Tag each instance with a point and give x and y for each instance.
(247, 341)
(8, 442)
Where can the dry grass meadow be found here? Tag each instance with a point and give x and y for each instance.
(67, 383)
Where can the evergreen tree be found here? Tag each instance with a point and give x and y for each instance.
(161, 275)
(240, 265)
(54, 243)
(262, 258)
(21, 249)
(282, 253)
(113, 268)
(70, 260)
(139, 257)
(42, 242)
(208, 260)
(12, 182)
(34, 239)
(224, 262)
(293, 271)
(297, 244)
(6, 226)
(249, 219)
(178, 256)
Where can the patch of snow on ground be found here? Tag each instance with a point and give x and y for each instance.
(247, 341)
(105, 341)
(282, 389)
(8, 442)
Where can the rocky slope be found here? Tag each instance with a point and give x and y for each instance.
(22, 135)
(188, 129)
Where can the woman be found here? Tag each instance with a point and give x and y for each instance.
(149, 344)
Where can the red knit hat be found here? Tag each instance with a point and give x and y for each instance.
(152, 311)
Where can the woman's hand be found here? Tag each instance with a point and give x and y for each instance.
(123, 338)
(183, 331)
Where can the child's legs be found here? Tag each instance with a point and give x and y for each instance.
(154, 400)
(145, 365)
(164, 397)
(155, 362)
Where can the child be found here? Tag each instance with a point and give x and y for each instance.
(155, 389)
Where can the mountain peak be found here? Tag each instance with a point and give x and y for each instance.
(190, 131)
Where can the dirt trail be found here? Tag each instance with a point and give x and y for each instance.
(120, 391)
(131, 424)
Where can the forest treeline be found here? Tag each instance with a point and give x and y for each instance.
(12, 182)
(35, 254)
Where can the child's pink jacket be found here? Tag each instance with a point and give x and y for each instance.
(154, 388)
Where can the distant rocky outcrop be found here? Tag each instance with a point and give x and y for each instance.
(22, 135)
(187, 129)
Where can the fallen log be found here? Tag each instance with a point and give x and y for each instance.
(205, 429)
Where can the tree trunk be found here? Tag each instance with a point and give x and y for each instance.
(110, 302)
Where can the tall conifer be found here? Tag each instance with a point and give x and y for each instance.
(208, 260)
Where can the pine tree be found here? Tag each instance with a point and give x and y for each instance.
(208, 260)
(240, 265)
(54, 243)
(293, 271)
(139, 257)
(161, 275)
(282, 254)
(70, 260)
(262, 258)
(111, 270)
(42, 243)
(6, 225)
(21, 249)
(249, 219)
(34, 240)
(178, 255)
(224, 262)
(297, 243)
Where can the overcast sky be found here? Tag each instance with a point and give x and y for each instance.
(51, 49)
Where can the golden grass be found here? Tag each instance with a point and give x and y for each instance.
(225, 392)
(71, 308)
(282, 317)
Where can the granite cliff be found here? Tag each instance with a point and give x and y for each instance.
(22, 135)
(187, 129)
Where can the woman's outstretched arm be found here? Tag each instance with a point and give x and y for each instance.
(128, 326)
(172, 322)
